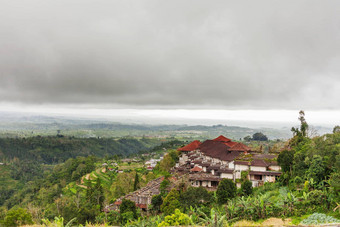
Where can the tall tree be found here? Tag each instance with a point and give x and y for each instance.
(285, 160)
(136, 185)
(170, 202)
(226, 190)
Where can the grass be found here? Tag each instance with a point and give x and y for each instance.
(297, 220)
(266, 222)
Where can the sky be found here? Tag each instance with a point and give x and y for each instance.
(181, 59)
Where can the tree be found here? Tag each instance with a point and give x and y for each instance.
(247, 138)
(226, 190)
(336, 129)
(164, 186)
(302, 132)
(195, 197)
(136, 183)
(247, 187)
(17, 217)
(285, 160)
(156, 202)
(316, 169)
(167, 163)
(128, 206)
(170, 202)
(259, 136)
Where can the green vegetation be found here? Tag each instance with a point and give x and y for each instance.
(317, 218)
(52, 150)
(176, 219)
(17, 217)
(63, 180)
(226, 190)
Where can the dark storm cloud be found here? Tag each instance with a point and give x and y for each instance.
(237, 54)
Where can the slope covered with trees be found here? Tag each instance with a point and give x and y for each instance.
(57, 149)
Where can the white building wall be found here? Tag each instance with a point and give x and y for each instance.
(241, 167)
(258, 168)
(275, 168)
(215, 160)
(231, 165)
(227, 175)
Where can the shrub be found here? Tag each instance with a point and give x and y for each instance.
(171, 203)
(226, 190)
(318, 218)
(247, 187)
(17, 217)
(176, 219)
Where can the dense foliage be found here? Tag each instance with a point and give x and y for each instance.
(226, 190)
(54, 149)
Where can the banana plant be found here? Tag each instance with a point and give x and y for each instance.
(214, 220)
(58, 222)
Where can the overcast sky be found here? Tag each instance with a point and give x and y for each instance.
(229, 55)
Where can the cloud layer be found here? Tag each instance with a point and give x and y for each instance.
(232, 54)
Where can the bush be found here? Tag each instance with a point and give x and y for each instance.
(317, 218)
(247, 188)
(195, 197)
(176, 219)
(156, 202)
(226, 190)
(171, 203)
(317, 197)
(128, 210)
(17, 217)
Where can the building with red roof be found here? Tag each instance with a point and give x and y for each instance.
(196, 169)
(191, 146)
(222, 139)
(223, 158)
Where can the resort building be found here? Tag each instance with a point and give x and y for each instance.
(209, 162)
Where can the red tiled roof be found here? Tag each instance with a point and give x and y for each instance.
(197, 162)
(191, 146)
(222, 139)
(241, 163)
(230, 143)
(141, 206)
(239, 147)
(259, 162)
(205, 164)
(265, 173)
(204, 176)
(196, 169)
(225, 170)
(118, 202)
(214, 167)
(264, 156)
(218, 150)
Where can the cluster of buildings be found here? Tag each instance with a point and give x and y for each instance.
(142, 197)
(150, 164)
(209, 162)
(206, 164)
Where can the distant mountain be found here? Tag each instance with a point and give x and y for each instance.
(20, 125)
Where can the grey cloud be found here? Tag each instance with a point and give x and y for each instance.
(234, 54)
